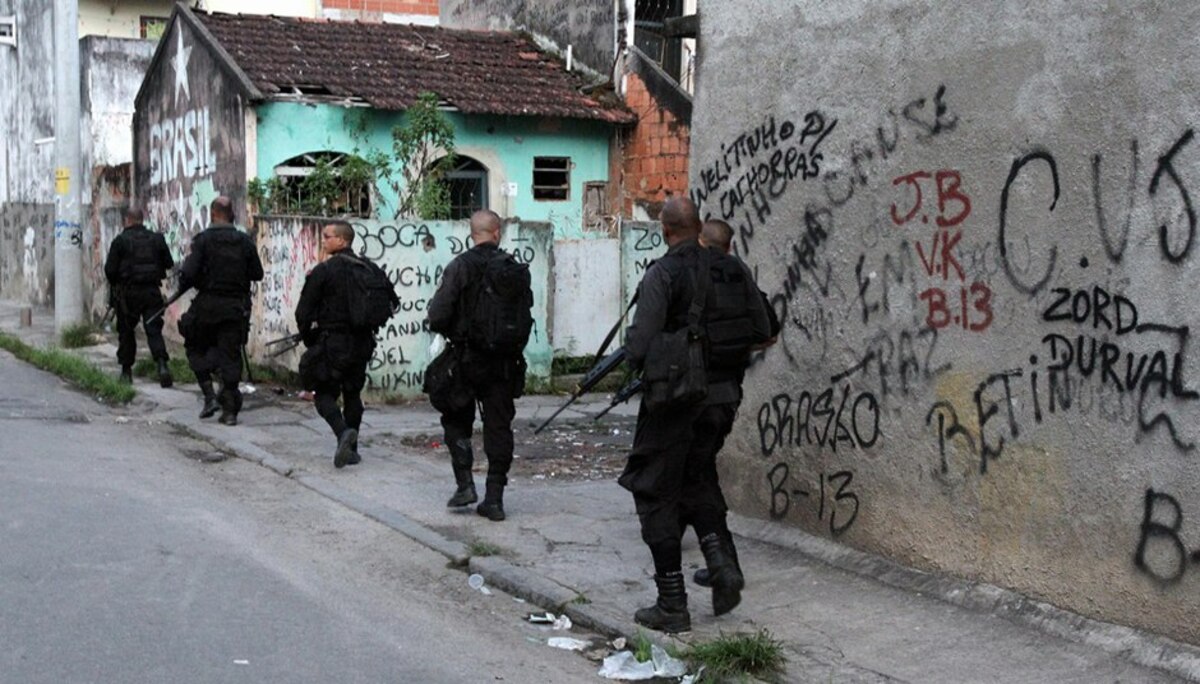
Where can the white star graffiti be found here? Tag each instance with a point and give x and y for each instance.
(180, 62)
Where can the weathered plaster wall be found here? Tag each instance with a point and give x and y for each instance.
(414, 256)
(26, 155)
(189, 135)
(112, 70)
(505, 145)
(977, 221)
(587, 25)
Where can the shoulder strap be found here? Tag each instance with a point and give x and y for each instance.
(700, 282)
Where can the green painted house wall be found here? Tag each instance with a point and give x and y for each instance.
(506, 145)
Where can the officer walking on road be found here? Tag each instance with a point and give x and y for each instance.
(482, 308)
(339, 348)
(667, 465)
(137, 262)
(222, 263)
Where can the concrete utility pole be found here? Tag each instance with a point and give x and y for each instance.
(68, 230)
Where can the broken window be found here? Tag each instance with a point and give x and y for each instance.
(551, 178)
(322, 184)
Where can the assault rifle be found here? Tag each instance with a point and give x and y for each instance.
(174, 298)
(598, 372)
(623, 395)
(604, 365)
(289, 343)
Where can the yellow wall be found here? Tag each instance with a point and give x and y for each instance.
(121, 19)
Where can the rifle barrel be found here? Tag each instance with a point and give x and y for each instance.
(555, 414)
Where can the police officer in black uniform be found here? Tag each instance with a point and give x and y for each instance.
(705, 508)
(337, 356)
(222, 263)
(665, 440)
(492, 380)
(138, 260)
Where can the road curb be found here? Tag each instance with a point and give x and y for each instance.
(1138, 646)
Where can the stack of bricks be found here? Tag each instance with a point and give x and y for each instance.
(425, 7)
(655, 154)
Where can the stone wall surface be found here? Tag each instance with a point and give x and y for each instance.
(977, 221)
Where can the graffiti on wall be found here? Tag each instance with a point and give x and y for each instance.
(414, 255)
(189, 145)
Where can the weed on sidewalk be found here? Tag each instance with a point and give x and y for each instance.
(71, 368)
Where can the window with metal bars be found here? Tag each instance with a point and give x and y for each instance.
(551, 178)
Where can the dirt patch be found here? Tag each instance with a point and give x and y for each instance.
(569, 453)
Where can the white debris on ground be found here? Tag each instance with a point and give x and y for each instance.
(624, 666)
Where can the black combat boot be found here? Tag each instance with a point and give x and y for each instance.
(354, 458)
(345, 447)
(703, 577)
(164, 374)
(670, 612)
(210, 400)
(231, 401)
(492, 506)
(461, 459)
(723, 573)
(127, 375)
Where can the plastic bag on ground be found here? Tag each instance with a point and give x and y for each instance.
(568, 643)
(624, 666)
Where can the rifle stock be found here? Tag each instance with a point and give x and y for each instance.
(593, 377)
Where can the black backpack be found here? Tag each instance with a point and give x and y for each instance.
(727, 322)
(369, 294)
(500, 317)
(226, 271)
(142, 265)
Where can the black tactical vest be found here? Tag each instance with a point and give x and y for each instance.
(225, 268)
(141, 265)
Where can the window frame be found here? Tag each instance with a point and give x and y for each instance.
(565, 187)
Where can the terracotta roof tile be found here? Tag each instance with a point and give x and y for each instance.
(389, 65)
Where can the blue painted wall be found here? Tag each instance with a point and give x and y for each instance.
(505, 145)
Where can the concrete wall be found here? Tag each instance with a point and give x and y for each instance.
(587, 25)
(112, 70)
(978, 223)
(414, 256)
(26, 155)
(188, 139)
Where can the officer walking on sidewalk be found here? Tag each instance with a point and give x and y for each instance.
(483, 309)
(666, 470)
(137, 262)
(222, 263)
(339, 290)
(707, 511)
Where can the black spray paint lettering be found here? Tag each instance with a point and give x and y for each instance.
(1165, 165)
(817, 421)
(1153, 529)
(986, 449)
(948, 429)
(839, 500)
(885, 354)
(1014, 172)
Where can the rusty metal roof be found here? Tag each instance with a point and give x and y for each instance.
(389, 65)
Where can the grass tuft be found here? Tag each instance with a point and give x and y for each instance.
(482, 548)
(640, 645)
(78, 335)
(180, 370)
(71, 368)
(757, 655)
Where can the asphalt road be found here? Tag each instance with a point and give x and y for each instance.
(131, 553)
